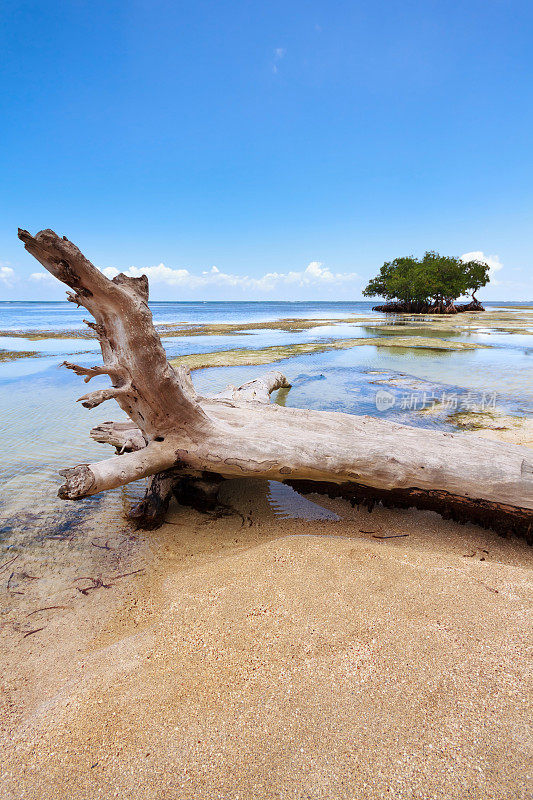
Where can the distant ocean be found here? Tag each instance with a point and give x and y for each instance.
(21, 315)
(61, 315)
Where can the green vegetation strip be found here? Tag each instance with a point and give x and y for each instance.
(268, 355)
(183, 329)
(36, 335)
(232, 328)
(511, 320)
(484, 420)
(12, 355)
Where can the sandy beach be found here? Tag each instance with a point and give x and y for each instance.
(259, 657)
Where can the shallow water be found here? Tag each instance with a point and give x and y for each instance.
(345, 380)
(43, 429)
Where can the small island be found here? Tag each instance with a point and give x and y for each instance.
(429, 285)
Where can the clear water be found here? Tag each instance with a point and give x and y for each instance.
(18, 315)
(21, 315)
(43, 429)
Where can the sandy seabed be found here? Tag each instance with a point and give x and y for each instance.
(258, 657)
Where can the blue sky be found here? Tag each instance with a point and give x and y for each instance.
(280, 150)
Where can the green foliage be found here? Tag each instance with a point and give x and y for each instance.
(432, 279)
(477, 275)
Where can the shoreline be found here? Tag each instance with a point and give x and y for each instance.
(268, 651)
(180, 329)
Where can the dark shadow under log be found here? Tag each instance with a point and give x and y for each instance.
(506, 520)
(199, 493)
(150, 512)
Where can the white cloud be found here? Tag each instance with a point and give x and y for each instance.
(159, 274)
(495, 265)
(279, 53)
(42, 276)
(6, 275)
(314, 274)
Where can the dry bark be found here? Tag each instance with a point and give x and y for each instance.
(237, 433)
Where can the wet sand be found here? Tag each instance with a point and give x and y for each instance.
(259, 657)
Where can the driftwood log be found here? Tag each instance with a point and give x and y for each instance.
(189, 443)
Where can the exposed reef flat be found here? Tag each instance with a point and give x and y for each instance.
(493, 425)
(506, 320)
(509, 320)
(485, 420)
(268, 355)
(231, 328)
(36, 335)
(12, 355)
(186, 329)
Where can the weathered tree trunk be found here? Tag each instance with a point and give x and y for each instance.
(237, 433)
